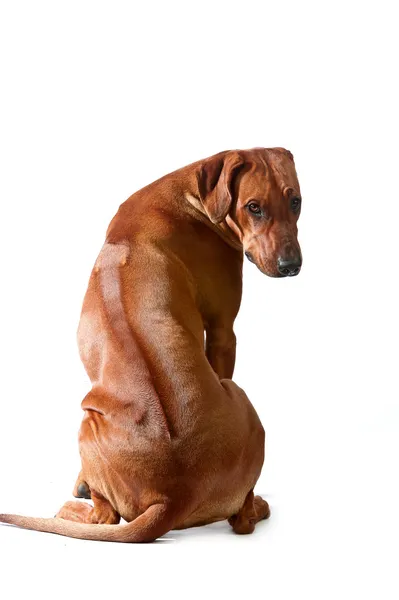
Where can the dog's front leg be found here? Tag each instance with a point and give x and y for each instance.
(221, 350)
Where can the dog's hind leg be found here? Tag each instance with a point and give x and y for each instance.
(254, 509)
(82, 512)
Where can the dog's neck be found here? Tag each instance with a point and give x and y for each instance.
(227, 229)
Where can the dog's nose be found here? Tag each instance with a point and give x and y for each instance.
(289, 268)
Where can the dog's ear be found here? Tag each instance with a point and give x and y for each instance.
(215, 183)
(285, 152)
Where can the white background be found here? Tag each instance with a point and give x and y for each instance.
(99, 99)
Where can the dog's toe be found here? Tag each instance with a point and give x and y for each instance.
(83, 491)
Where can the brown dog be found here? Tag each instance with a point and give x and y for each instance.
(168, 440)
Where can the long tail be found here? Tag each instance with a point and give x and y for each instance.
(154, 522)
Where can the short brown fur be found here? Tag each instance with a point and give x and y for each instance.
(167, 439)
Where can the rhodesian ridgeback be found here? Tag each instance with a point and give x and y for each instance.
(168, 440)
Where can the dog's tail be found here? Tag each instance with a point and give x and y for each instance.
(153, 523)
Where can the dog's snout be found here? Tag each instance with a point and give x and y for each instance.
(290, 267)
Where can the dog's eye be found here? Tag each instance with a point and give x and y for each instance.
(295, 204)
(254, 208)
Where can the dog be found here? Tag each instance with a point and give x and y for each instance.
(168, 440)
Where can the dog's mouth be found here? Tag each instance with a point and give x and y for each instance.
(261, 268)
(250, 257)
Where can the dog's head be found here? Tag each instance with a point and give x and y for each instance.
(255, 193)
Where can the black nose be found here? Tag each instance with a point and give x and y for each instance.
(289, 268)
